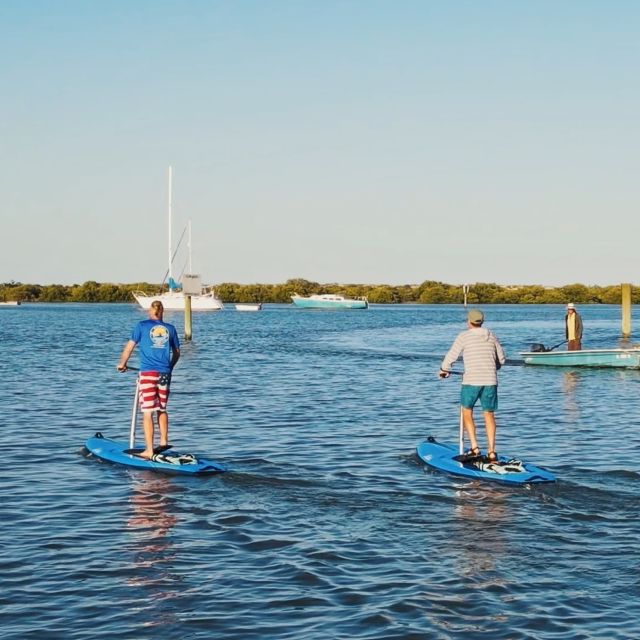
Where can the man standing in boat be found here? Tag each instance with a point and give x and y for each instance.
(482, 355)
(159, 353)
(573, 328)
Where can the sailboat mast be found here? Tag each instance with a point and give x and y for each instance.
(169, 235)
(189, 244)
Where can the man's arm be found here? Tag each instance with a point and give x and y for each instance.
(501, 358)
(126, 354)
(175, 356)
(452, 355)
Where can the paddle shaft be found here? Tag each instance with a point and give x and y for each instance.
(461, 433)
(134, 416)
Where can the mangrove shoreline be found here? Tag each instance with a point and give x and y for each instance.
(428, 292)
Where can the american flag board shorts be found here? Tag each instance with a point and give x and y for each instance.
(154, 390)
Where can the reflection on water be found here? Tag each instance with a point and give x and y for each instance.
(569, 385)
(153, 515)
(479, 516)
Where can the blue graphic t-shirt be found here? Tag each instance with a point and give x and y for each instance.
(156, 341)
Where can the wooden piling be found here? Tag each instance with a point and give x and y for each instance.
(187, 317)
(626, 310)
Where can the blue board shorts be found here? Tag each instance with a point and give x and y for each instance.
(488, 396)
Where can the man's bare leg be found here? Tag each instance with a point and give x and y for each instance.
(147, 426)
(469, 426)
(490, 426)
(163, 425)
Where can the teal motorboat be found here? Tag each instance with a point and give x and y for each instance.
(328, 301)
(621, 358)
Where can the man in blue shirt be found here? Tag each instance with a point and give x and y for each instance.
(159, 353)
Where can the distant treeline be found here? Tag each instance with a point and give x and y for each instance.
(429, 292)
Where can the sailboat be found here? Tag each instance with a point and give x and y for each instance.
(174, 298)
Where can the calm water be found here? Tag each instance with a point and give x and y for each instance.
(327, 527)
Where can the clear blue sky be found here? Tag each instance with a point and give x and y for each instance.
(340, 141)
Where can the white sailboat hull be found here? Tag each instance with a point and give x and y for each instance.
(174, 301)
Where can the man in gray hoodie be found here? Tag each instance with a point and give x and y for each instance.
(482, 355)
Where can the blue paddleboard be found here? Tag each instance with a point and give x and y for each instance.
(168, 461)
(510, 471)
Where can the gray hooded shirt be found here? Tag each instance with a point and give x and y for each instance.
(482, 355)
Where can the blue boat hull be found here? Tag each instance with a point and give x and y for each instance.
(113, 451)
(618, 358)
(440, 457)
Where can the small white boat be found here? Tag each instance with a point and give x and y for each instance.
(10, 303)
(249, 306)
(174, 298)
